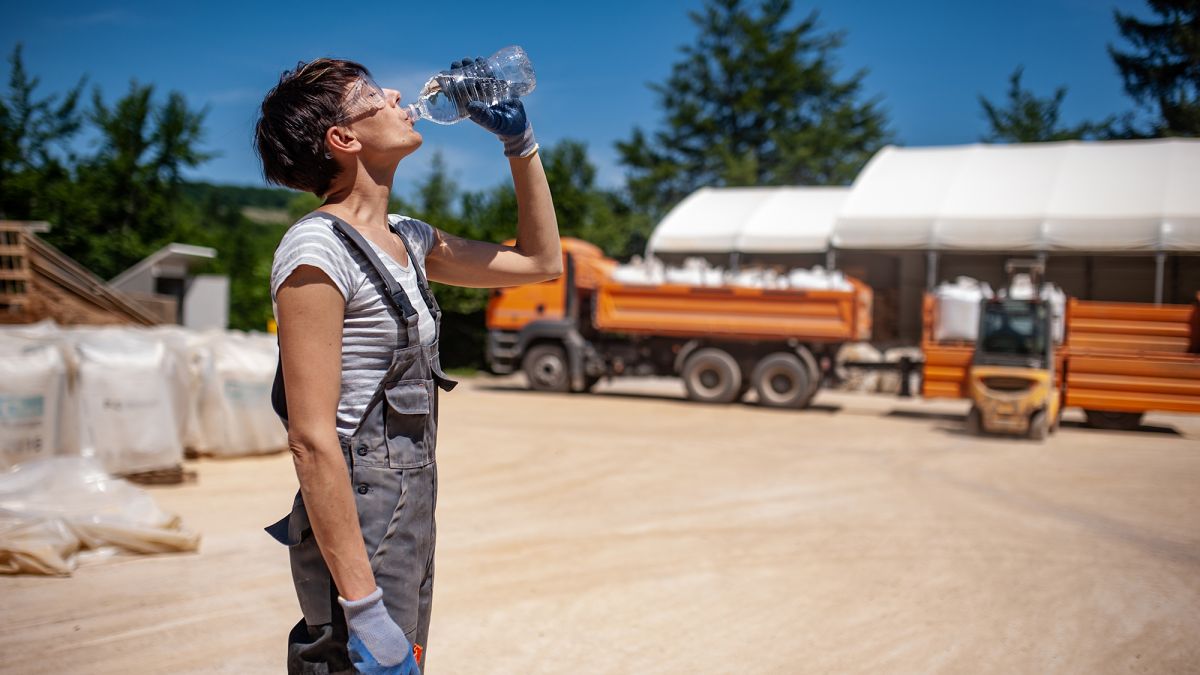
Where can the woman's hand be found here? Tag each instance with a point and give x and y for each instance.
(506, 119)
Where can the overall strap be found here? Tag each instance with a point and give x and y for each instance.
(394, 292)
(422, 283)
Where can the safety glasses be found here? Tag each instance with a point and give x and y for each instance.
(363, 99)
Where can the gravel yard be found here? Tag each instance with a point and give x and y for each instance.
(633, 531)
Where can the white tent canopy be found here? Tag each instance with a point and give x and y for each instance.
(750, 220)
(1071, 196)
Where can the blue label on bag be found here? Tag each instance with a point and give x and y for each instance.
(21, 408)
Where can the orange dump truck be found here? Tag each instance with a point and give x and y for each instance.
(1117, 361)
(568, 333)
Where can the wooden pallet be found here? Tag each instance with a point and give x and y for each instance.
(174, 475)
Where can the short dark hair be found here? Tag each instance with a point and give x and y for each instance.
(290, 134)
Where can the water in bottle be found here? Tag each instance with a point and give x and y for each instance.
(505, 75)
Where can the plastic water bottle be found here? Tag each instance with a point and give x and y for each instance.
(508, 75)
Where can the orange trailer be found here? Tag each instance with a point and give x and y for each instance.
(568, 333)
(1117, 362)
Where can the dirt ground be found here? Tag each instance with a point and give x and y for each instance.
(633, 531)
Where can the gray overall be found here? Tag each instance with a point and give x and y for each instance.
(392, 470)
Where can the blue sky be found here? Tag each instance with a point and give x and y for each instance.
(928, 61)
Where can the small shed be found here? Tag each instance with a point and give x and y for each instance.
(164, 281)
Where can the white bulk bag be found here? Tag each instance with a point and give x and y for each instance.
(128, 392)
(33, 384)
(191, 352)
(632, 275)
(685, 276)
(185, 347)
(1022, 289)
(639, 272)
(235, 407)
(958, 309)
(837, 281)
(1058, 310)
(749, 278)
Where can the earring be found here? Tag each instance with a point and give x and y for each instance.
(327, 155)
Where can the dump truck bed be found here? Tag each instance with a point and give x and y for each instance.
(1130, 357)
(735, 312)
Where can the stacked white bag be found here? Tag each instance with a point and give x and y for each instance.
(134, 398)
(639, 272)
(957, 316)
(699, 272)
(1021, 288)
(130, 391)
(190, 349)
(235, 411)
(33, 386)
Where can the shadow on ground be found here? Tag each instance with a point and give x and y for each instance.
(654, 396)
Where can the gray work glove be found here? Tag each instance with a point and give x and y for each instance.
(377, 645)
(506, 119)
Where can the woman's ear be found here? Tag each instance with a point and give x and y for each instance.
(341, 139)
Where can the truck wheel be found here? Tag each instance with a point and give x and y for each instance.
(782, 381)
(545, 367)
(712, 376)
(814, 372)
(1039, 426)
(1114, 421)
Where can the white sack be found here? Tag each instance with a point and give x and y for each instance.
(857, 379)
(33, 382)
(128, 391)
(958, 309)
(235, 403)
(1021, 288)
(639, 272)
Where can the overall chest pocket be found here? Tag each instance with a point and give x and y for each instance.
(407, 423)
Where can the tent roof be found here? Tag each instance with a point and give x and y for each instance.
(750, 220)
(1070, 196)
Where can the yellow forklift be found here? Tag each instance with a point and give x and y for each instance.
(1012, 381)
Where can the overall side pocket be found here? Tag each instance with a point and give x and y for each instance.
(406, 421)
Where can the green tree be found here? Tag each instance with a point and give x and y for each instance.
(1161, 71)
(586, 211)
(437, 194)
(35, 143)
(132, 183)
(1027, 118)
(754, 101)
(245, 250)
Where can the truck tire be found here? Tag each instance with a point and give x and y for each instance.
(711, 375)
(814, 372)
(1039, 426)
(782, 380)
(1114, 421)
(546, 369)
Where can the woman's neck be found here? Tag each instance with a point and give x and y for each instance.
(361, 199)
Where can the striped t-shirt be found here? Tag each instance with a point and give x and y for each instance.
(371, 328)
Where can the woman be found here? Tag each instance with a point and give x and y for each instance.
(358, 339)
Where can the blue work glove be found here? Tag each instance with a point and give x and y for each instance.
(506, 119)
(377, 645)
